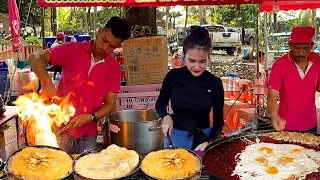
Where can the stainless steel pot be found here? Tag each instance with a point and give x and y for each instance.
(139, 130)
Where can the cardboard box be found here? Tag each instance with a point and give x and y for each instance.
(8, 141)
(7, 135)
(7, 150)
(145, 60)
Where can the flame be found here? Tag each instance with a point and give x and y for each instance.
(31, 86)
(41, 117)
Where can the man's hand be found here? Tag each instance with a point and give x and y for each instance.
(81, 119)
(167, 125)
(278, 123)
(48, 90)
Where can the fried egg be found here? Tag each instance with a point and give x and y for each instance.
(267, 161)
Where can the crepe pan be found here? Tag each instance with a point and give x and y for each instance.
(193, 176)
(12, 176)
(80, 177)
(219, 157)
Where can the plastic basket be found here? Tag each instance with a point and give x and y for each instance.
(139, 97)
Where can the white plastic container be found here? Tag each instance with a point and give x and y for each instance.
(21, 79)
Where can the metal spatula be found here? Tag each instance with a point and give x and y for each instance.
(169, 139)
(65, 128)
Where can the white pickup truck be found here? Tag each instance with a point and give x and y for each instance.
(222, 39)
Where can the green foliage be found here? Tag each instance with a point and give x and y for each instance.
(23, 5)
(76, 20)
(32, 40)
(5, 42)
(226, 15)
(190, 21)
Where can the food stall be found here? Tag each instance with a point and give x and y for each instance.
(142, 128)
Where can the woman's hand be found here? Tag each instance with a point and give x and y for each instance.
(167, 125)
(201, 147)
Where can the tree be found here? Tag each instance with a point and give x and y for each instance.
(32, 17)
(202, 15)
(143, 16)
(186, 21)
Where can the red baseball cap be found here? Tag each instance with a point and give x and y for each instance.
(60, 35)
(302, 34)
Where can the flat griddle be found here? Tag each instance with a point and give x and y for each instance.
(219, 158)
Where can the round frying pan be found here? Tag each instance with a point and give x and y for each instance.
(193, 176)
(11, 175)
(80, 177)
(219, 158)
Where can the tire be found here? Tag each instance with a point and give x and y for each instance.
(251, 41)
(230, 51)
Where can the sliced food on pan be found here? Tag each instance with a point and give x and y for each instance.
(40, 163)
(111, 163)
(170, 164)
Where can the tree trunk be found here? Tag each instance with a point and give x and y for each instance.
(167, 19)
(94, 23)
(202, 15)
(275, 22)
(88, 14)
(186, 22)
(143, 16)
(54, 20)
(213, 9)
(85, 21)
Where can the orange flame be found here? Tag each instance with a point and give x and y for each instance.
(41, 117)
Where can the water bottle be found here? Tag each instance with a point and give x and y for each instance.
(57, 80)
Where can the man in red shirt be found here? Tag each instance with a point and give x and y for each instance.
(294, 77)
(90, 75)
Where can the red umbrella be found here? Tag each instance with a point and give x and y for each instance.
(14, 24)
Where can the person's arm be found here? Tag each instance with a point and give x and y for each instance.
(275, 84)
(162, 103)
(218, 122)
(164, 96)
(38, 63)
(217, 104)
(272, 102)
(108, 107)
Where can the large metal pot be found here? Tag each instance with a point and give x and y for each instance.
(139, 130)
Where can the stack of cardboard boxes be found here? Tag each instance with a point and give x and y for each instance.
(8, 141)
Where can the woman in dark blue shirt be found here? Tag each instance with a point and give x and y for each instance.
(193, 91)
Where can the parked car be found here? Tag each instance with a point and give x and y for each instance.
(222, 39)
(248, 38)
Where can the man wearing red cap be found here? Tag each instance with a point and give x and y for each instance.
(60, 39)
(294, 77)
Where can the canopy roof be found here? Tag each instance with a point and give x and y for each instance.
(140, 3)
(266, 5)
